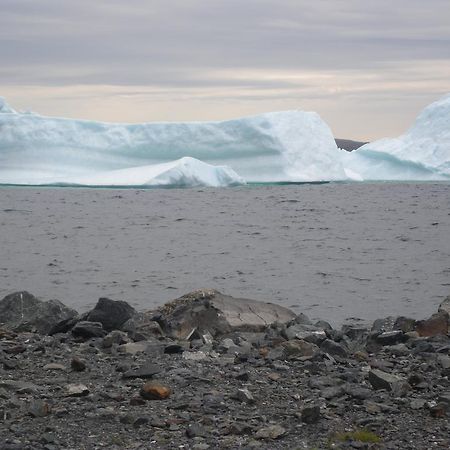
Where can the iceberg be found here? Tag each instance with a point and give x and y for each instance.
(184, 172)
(287, 146)
(273, 147)
(422, 153)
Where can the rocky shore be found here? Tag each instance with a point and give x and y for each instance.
(210, 371)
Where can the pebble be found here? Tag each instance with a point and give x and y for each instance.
(77, 390)
(78, 364)
(155, 391)
(270, 432)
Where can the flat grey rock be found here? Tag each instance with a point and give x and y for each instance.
(146, 371)
(209, 310)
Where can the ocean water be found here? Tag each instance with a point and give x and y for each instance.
(331, 251)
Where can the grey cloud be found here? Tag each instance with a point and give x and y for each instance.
(138, 42)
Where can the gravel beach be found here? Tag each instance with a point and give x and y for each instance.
(208, 371)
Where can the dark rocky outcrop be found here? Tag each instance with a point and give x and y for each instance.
(348, 144)
(112, 314)
(22, 311)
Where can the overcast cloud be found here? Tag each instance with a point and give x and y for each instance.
(366, 67)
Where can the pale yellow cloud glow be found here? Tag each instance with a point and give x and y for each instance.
(342, 97)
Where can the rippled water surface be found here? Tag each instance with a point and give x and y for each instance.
(332, 251)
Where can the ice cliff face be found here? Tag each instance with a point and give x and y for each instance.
(291, 146)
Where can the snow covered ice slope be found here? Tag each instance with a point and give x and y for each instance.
(422, 153)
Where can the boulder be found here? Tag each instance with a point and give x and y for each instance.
(210, 311)
(111, 314)
(383, 380)
(22, 311)
(142, 326)
(333, 348)
(437, 324)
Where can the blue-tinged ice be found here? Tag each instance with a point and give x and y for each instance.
(279, 146)
(422, 153)
(292, 146)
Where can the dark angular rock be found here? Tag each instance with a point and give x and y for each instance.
(358, 392)
(64, 326)
(172, 349)
(391, 337)
(422, 346)
(87, 330)
(243, 376)
(78, 364)
(240, 428)
(311, 414)
(323, 325)
(398, 350)
(111, 314)
(383, 325)
(22, 311)
(195, 430)
(333, 348)
(404, 324)
(142, 326)
(445, 398)
(39, 408)
(143, 420)
(383, 380)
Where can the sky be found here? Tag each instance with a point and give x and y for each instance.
(367, 68)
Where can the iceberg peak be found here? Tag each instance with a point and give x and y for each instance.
(5, 108)
(422, 153)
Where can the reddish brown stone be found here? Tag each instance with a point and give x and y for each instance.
(438, 411)
(435, 325)
(155, 391)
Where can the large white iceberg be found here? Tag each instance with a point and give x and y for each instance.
(273, 147)
(291, 146)
(422, 153)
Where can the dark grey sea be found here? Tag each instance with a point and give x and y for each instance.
(332, 251)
